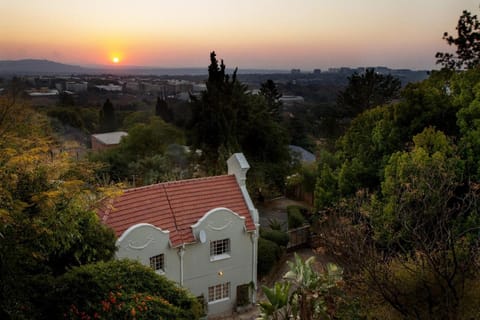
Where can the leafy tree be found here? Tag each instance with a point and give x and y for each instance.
(122, 289)
(163, 111)
(226, 119)
(467, 43)
(269, 91)
(143, 154)
(367, 90)
(107, 117)
(214, 119)
(47, 218)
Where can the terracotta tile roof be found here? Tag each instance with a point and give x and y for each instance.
(175, 206)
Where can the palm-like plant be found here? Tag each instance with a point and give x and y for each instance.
(315, 293)
(277, 307)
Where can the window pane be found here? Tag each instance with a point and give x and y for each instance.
(157, 262)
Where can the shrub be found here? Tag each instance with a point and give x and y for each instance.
(275, 224)
(122, 289)
(268, 253)
(279, 237)
(295, 217)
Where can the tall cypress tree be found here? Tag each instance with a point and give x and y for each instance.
(107, 117)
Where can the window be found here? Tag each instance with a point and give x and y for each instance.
(219, 249)
(157, 262)
(219, 292)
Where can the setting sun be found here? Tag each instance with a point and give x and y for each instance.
(115, 60)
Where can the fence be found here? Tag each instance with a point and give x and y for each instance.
(298, 237)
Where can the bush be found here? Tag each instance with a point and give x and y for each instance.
(268, 254)
(295, 217)
(122, 289)
(279, 237)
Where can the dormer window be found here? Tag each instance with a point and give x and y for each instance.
(219, 249)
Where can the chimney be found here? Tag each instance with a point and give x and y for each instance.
(238, 166)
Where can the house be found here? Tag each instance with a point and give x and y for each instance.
(201, 233)
(107, 140)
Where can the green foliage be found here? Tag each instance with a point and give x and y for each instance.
(163, 111)
(295, 217)
(315, 295)
(276, 307)
(122, 290)
(146, 153)
(226, 120)
(275, 224)
(467, 43)
(47, 222)
(136, 118)
(269, 91)
(367, 90)
(325, 188)
(268, 254)
(279, 237)
(107, 118)
(423, 180)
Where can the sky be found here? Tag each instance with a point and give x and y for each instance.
(268, 34)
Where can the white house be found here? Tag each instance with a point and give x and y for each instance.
(201, 233)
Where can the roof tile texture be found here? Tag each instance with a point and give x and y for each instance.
(176, 206)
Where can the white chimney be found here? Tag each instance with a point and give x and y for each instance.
(238, 166)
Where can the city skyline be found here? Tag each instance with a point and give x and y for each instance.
(267, 34)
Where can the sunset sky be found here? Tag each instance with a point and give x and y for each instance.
(271, 34)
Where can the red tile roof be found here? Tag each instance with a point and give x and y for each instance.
(175, 206)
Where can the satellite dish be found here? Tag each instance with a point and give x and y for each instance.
(203, 236)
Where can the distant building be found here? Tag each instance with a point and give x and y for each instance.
(76, 86)
(42, 92)
(102, 141)
(110, 87)
(317, 71)
(295, 71)
(291, 100)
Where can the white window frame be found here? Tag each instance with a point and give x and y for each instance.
(220, 249)
(158, 261)
(219, 293)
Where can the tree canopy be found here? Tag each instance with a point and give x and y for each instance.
(467, 43)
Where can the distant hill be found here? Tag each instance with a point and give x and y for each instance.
(36, 66)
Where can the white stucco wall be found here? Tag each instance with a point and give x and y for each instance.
(143, 241)
(201, 272)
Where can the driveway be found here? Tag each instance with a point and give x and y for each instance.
(276, 209)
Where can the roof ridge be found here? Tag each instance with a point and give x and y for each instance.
(173, 213)
(176, 182)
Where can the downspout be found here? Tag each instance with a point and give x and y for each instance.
(181, 252)
(254, 238)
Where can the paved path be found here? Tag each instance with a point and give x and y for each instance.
(276, 209)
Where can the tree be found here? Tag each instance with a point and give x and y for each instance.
(214, 116)
(269, 91)
(367, 90)
(226, 120)
(163, 111)
(122, 289)
(143, 154)
(47, 218)
(107, 117)
(467, 43)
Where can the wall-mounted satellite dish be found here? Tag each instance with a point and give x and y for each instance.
(202, 236)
